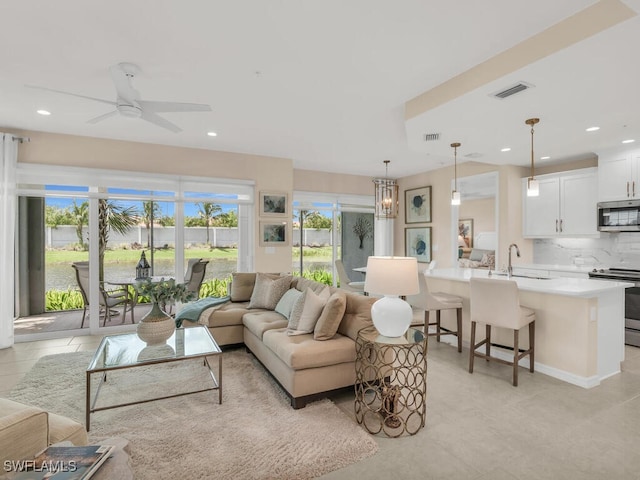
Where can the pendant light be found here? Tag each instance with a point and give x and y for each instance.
(455, 194)
(533, 189)
(386, 195)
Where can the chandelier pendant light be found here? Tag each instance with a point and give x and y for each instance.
(455, 194)
(386, 195)
(533, 189)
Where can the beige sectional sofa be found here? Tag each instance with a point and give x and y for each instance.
(306, 365)
(26, 430)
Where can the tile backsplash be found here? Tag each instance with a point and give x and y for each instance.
(611, 249)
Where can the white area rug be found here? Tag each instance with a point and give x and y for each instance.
(254, 434)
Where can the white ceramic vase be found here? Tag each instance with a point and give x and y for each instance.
(156, 326)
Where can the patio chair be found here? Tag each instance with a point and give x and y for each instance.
(194, 277)
(108, 299)
(345, 281)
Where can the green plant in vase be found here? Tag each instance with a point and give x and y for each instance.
(164, 292)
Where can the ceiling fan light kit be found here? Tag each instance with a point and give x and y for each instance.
(128, 102)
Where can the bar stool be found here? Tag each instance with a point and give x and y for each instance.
(497, 303)
(437, 301)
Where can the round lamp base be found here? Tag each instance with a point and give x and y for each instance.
(391, 316)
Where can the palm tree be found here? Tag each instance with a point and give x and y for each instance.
(116, 217)
(80, 216)
(207, 211)
(150, 213)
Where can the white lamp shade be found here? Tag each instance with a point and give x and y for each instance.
(533, 188)
(392, 276)
(455, 198)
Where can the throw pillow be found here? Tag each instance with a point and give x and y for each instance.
(285, 305)
(306, 311)
(268, 291)
(331, 317)
(242, 286)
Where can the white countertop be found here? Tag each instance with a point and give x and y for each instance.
(573, 287)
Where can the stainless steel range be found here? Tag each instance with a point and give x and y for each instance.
(631, 299)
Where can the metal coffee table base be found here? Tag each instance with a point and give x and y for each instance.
(91, 408)
(118, 352)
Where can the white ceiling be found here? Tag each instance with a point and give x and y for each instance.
(322, 82)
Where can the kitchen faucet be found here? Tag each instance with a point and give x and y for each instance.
(510, 268)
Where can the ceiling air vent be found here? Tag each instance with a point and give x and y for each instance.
(512, 90)
(473, 155)
(431, 137)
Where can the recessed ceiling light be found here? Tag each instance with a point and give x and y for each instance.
(593, 129)
(545, 158)
(212, 134)
(630, 140)
(43, 112)
(506, 149)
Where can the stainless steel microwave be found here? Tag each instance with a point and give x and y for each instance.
(622, 216)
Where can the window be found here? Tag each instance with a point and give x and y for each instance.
(118, 215)
(317, 233)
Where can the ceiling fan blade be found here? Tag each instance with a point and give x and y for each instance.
(103, 117)
(164, 107)
(109, 102)
(122, 74)
(161, 122)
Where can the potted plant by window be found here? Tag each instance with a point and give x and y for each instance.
(157, 326)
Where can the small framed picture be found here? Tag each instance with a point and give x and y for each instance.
(273, 234)
(274, 204)
(465, 233)
(417, 242)
(417, 205)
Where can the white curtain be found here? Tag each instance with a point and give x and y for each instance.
(8, 162)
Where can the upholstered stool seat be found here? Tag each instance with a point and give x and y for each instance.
(438, 301)
(496, 303)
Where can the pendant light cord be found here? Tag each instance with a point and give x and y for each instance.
(532, 122)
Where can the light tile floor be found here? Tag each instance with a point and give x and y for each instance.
(478, 426)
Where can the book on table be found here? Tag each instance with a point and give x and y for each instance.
(65, 463)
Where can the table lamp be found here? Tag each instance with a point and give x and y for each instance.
(391, 277)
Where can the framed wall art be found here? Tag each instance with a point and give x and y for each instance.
(465, 233)
(417, 242)
(417, 205)
(274, 204)
(273, 234)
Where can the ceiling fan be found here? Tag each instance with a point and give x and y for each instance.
(129, 104)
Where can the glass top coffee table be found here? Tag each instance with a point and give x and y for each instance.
(127, 350)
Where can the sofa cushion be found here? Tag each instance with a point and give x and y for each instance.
(331, 316)
(477, 254)
(228, 314)
(268, 291)
(259, 322)
(286, 303)
(242, 286)
(302, 351)
(306, 311)
(24, 430)
(302, 284)
(357, 315)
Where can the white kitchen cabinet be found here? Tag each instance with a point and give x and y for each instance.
(619, 176)
(566, 206)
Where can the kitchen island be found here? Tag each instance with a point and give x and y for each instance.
(579, 322)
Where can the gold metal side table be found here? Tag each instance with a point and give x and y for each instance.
(391, 382)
